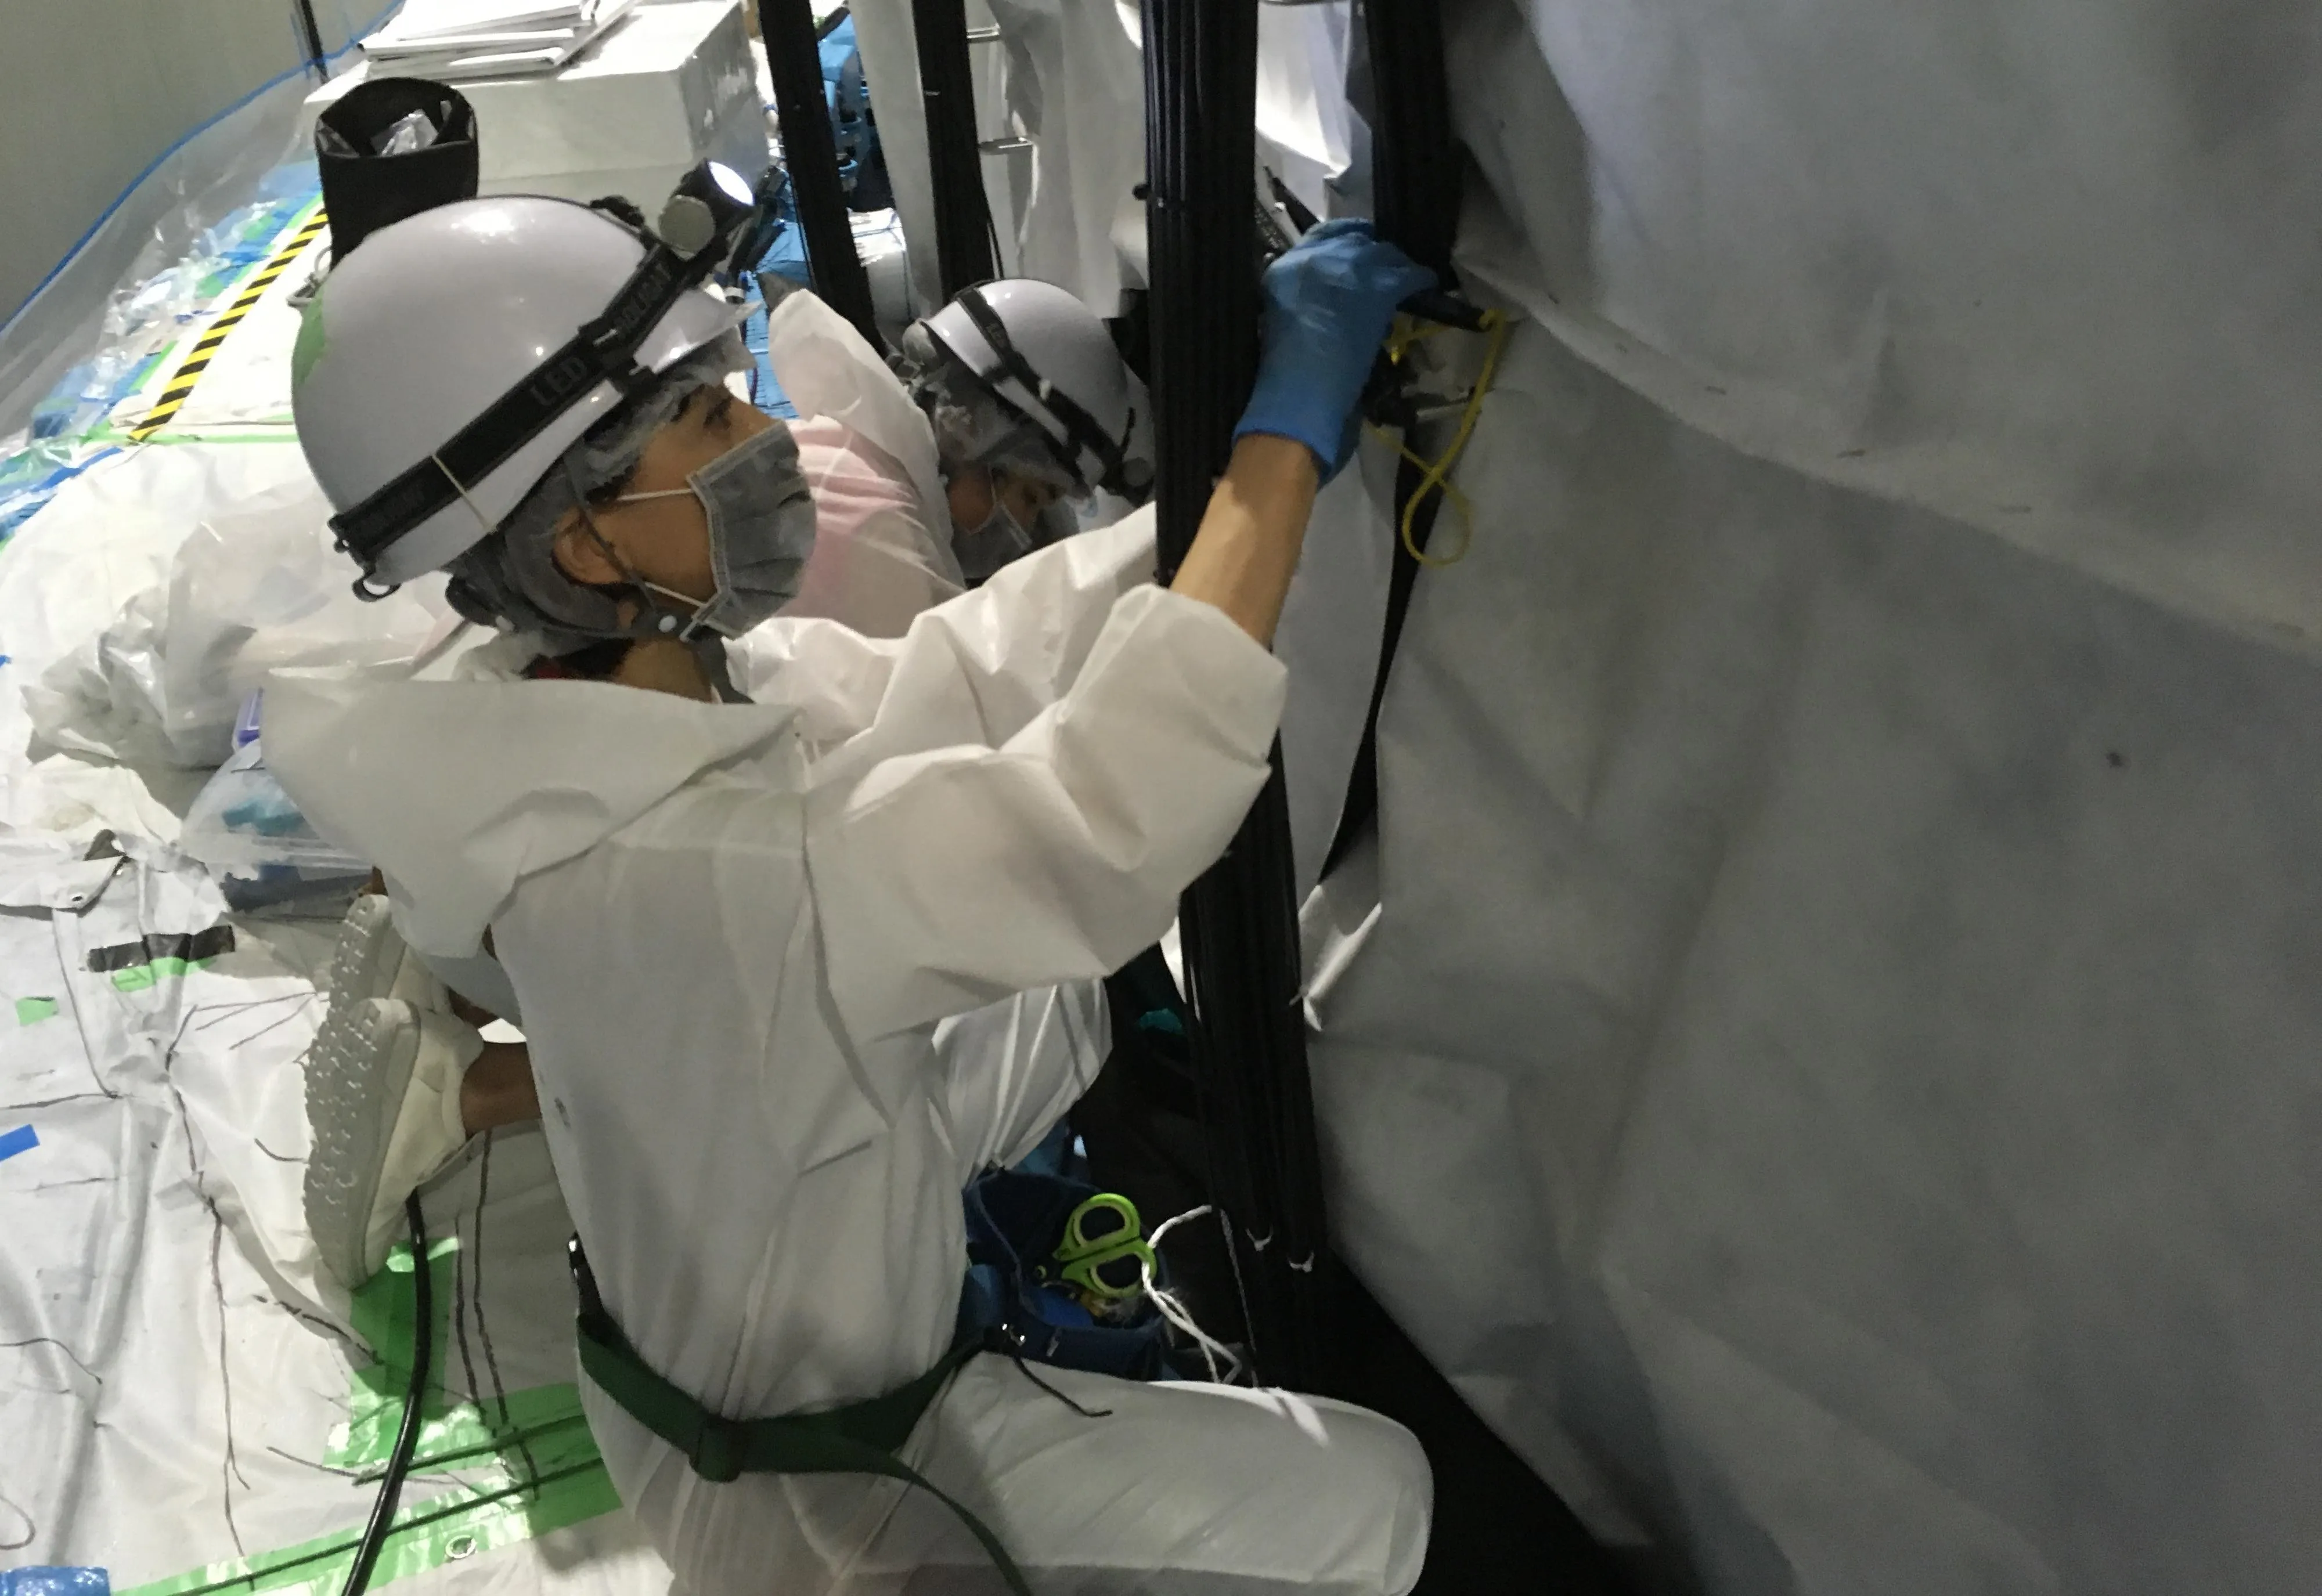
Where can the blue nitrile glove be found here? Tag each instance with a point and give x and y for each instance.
(1329, 302)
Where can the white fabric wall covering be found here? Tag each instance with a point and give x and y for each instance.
(1308, 135)
(91, 93)
(1076, 86)
(2048, 271)
(1825, 1063)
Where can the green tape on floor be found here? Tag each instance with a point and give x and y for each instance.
(537, 1462)
(543, 1420)
(138, 977)
(32, 1011)
(426, 1536)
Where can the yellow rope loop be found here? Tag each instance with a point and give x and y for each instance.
(1436, 474)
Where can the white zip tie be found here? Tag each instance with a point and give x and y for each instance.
(1174, 1311)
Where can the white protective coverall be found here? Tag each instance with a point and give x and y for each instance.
(733, 930)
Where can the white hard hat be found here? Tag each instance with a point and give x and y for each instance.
(439, 316)
(1046, 356)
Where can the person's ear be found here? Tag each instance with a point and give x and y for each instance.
(581, 555)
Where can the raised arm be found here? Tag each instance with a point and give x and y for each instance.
(1030, 852)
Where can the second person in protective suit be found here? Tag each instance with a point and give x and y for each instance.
(732, 927)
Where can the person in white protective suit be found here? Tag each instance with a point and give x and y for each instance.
(731, 927)
(955, 462)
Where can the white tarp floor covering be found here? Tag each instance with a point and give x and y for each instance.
(187, 1399)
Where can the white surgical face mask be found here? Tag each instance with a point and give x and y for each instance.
(761, 531)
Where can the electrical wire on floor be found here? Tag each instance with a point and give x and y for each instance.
(406, 1438)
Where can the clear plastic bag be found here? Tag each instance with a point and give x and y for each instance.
(244, 828)
(258, 589)
(255, 587)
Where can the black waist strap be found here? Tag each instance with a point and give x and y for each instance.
(861, 1439)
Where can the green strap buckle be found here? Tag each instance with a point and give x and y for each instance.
(720, 1449)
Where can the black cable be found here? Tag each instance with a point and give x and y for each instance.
(966, 252)
(1416, 171)
(406, 1438)
(316, 57)
(1415, 162)
(1239, 920)
(810, 154)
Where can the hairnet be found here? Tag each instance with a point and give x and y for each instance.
(511, 579)
(972, 424)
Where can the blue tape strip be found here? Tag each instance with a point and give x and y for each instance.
(20, 1140)
(300, 70)
(38, 496)
(55, 1582)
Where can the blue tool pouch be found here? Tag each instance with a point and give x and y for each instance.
(1015, 1222)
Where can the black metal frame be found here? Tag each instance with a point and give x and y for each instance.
(1415, 179)
(316, 57)
(1240, 921)
(812, 156)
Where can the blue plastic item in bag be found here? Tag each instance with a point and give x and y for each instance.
(245, 724)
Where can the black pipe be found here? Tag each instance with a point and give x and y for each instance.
(316, 57)
(1239, 920)
(964, 241)
(1416, 165)
(415, 1398)
(812, 156)
(1415, 162)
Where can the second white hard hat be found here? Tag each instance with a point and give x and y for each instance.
(1049, 358)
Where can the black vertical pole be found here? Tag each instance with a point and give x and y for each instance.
(1240, 921)
(1415, 162)
(811, 155)
(1415, 178)
(954, 163)
(316, 57)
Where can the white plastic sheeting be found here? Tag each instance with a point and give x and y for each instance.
(1075, 87)
(257, 587)
(184, 1396)
(186, 1402)
(1821, 1053)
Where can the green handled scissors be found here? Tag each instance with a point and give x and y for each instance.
(1104, 1251)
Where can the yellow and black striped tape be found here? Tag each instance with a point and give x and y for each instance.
(181, 385)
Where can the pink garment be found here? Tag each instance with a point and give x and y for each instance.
(876, 562)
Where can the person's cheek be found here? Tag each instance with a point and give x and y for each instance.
(970, 498)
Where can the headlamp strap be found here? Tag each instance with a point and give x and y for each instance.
(604, 349)
(1086, 436)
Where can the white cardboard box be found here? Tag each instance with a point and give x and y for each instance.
(666, 87)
